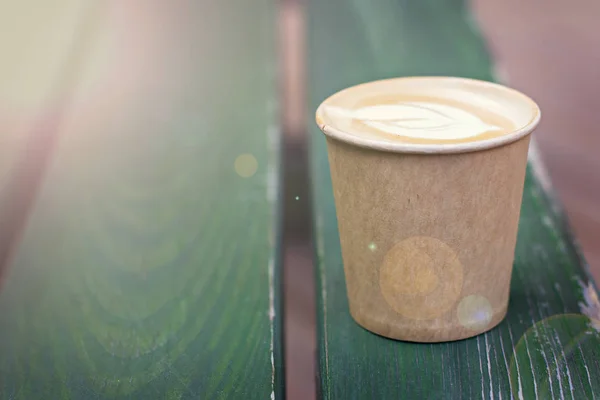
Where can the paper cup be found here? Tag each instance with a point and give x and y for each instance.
(428, 231)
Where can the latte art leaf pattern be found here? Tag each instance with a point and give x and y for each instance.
(418, 120)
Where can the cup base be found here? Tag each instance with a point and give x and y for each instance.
(411, 332)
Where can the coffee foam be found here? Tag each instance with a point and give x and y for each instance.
(426, 110)
(420, 120)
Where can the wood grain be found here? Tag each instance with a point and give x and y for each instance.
(548, 345)
(149, 267)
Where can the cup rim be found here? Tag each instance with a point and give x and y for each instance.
(436, 148)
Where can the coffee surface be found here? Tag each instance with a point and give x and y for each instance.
(419, 110)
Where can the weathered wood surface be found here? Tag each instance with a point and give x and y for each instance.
(149, 264)
(549, 344)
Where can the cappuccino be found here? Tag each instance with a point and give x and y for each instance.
(423, 111)
(427, 176)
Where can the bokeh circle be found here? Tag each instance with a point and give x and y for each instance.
(474, 312)
(421, 278)
(246, 165)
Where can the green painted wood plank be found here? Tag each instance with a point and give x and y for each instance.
(149, 265)
(548, 347)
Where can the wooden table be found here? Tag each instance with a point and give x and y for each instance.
(149, 264)
(549, 344)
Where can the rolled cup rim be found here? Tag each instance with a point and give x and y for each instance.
(436, 148)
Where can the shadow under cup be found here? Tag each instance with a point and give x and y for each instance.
(428, 231)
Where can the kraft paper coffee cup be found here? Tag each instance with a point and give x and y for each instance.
(428, 229)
